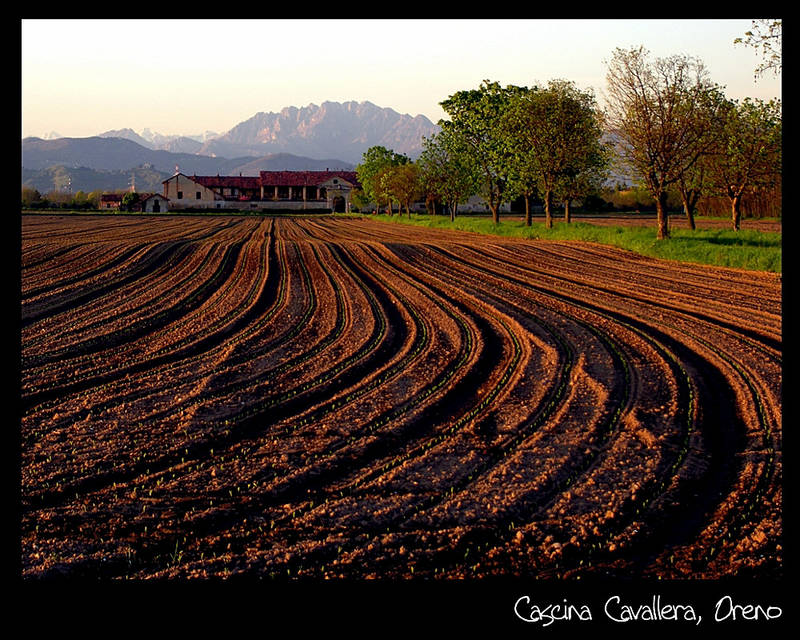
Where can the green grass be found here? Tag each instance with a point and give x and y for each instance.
(745, 249)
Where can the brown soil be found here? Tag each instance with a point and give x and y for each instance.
(348, 399)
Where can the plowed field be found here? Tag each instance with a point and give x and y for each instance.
(216, 396)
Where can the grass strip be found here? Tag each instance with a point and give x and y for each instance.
(744, 249)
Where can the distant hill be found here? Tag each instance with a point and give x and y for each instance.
(60, 178)
(158, 142)
(289, 162)
(86, 164)
(114, 154)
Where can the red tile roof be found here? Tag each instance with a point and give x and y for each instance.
(240, 182)
(303, 178)
(273, 179)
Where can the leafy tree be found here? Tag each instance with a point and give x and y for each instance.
(659, 114)
(448, 170)
(359, 199)
(374, 161)
(556, 135)
(584, 184)
(694, 182)
(477, 118)
(748, 155)
(129, 200)
(401, 182)
(692, 185)
(94, 198)
(30, 196)
(765, 36)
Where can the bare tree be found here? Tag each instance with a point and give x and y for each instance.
(660, 114)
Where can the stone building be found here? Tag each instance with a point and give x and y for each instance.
(295, 190)
(153, 203)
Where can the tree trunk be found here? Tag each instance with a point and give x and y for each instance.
(689, 210)
(661, 215)
(495, 208)
(567, 218)
(548, 213)
(527, 211)
(690, 199)
(736, 211)
(452, 211)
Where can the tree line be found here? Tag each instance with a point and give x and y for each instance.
(33, 199)
(665, 125)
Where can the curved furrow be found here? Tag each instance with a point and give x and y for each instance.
(187, 408)
(703, 474)
(216, 384)
(140, 260)
(263, 300)
(688, 356)
(98, 309)
(687, 432)
(82, 324)
(70, 264)
(87, 290)
(131, 346)
(644, 293)
(758, 324)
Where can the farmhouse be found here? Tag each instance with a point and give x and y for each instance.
(301, 190)
(153, 203)
(110, 201)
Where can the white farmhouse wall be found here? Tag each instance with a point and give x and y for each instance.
(183, 192)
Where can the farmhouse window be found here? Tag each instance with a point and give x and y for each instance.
(198, 195)
(180, 195)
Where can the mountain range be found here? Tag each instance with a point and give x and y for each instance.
(331, 135)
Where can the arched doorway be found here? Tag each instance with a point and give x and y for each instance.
(339, 204)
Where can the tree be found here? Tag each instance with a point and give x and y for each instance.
(401, 182)
(359, 199)
(129, 200)
(694, 182)
(30, 196)
(588, 182)
(692, 185)
(94, 198)
(659, 114)
(765, 36)
(448, 170)
(477, 118)
(556, 134)
(748, 153)
(373, 162)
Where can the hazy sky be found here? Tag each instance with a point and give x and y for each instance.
(84, 77)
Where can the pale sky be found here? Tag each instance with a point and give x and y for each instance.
(84, 77)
